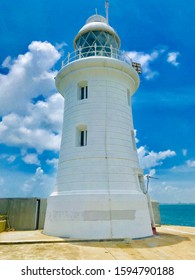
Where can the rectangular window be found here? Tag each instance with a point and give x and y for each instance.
(86, 91)
(82, 90)
(83, 138)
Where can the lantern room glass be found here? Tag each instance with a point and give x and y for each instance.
(100, 43)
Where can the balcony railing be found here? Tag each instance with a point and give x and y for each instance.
(96, 50)
(101, 51)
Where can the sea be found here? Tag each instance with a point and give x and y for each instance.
(177, 214)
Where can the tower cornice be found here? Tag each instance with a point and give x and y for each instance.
(92, 62)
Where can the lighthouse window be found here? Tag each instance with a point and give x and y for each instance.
(83, 138)
(82, 90)
(103, 42)
(81, 135)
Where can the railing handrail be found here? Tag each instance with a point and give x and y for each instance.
(97, 50)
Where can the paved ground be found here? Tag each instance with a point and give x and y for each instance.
(172, 242)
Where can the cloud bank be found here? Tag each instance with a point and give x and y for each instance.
(150, 159)
(26, 122)
(29, 76)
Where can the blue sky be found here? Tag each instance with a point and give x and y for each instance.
(34, 37)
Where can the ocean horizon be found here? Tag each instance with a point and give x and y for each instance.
(180, 214)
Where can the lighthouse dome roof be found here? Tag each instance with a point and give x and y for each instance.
(96, 18)
(98, 24)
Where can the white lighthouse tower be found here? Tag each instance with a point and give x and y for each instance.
(98, 193)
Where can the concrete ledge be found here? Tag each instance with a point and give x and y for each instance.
(37, 236)
(21, 237)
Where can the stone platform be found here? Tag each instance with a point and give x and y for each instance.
(170, 243)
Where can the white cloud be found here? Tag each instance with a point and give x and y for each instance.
(172, 58)
(31, 159)
(39, 172)
(135, 135)
(29, 76)
(40, 128)
(39, 184)
(11, 159)
(186, 169)
(149, 159)
(53, 161)
(60, 46)
(152, 172)
(184, 152)
(190, 163)
(25, 124)
(175, 184)
(173, 191)
(47, 113)
(7, 62)
(8, 158)
(35, 181)
(145, 59)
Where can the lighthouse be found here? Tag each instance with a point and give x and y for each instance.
(99, 186)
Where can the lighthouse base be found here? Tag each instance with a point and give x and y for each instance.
(98, 216)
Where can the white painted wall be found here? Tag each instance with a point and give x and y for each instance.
(97, 193)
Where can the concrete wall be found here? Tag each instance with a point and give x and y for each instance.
(156, 212)
(42, 212)
(4, 202)
(24, 213)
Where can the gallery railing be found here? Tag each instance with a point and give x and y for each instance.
(96, 50)
(101, 51)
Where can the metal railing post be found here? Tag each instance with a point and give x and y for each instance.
(123, 55)
(95, 48)
(80, 52)
(68, 58)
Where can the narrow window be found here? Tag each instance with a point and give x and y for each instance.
(86, 91)
(82, 90)
(128, 97)
(81, 135)
(83, 138)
